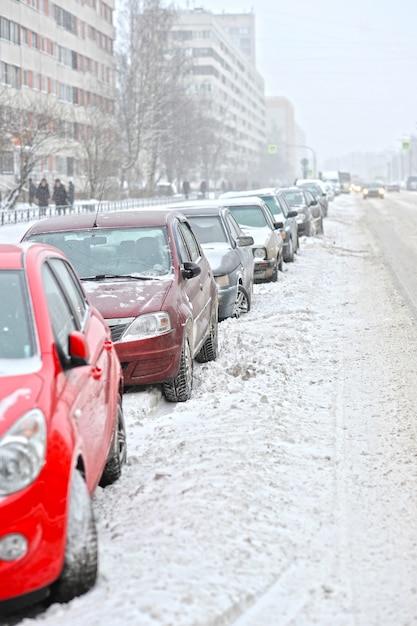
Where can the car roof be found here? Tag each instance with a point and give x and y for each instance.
(156, 216)
(263, 191)
(13, 255)
(243, 201)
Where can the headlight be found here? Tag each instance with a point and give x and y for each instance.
(365, 192)
(382, 191)
(148, 325)
(22, 452)
(222, 281)
(301, 217)
(259, 253)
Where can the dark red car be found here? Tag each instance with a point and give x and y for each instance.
(149, 277)
(61, 426)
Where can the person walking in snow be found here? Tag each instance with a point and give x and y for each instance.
(59, 197)
(43, 195)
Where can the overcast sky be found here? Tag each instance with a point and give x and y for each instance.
(348, 67)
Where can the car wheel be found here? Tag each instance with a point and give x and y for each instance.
(290, 255)
(311, 230)
(179, 389)
(321, 227)
(242, 302)
(113, 468)
(79, 573)
(210, 347)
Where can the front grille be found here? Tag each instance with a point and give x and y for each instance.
(117, 331)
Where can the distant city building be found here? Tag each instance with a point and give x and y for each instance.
(226, 75)
(62, 49)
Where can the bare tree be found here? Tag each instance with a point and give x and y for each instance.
(149, 80)
(98, 147)
(30, 129)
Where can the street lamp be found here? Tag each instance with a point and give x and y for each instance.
(293, 145)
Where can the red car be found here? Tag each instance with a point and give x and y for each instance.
(149, 277)
(61, 426)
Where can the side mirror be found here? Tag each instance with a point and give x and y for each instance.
(190, 269)
(245, 240)
(293, 213)
(278, 225)
(78, 349)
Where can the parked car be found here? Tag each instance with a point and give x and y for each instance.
(393, 185)
(317, 188)
(310, 215)
(255, 219)
(229, 252)
(148, 275)
(280, 211)
(411, 183)
(373, 190)
(61, 426)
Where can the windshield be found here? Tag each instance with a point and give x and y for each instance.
(17, 335)
(274, 206)
(114, 251)
(249, 216)
(208, 228)
(295, 198)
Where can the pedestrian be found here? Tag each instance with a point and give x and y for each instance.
(32, 192)
(59, 196)
(203, 188)
(186, 189)
(43, 195)
(71, 192)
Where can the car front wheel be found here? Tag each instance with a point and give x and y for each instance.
(113, 468)
(79, 573)
(179, 389)
(242, 302)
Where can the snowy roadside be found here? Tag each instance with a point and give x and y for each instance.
(237, 506)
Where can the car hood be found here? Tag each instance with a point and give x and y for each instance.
(128, 298)
(19, 394)
(222, 259)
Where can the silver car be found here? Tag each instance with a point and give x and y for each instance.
(255, 219)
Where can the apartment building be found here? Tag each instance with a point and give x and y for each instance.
(60, 50)
(224, 74)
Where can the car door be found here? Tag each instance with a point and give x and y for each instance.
(85, 389)
(245, 252)
(199, 288)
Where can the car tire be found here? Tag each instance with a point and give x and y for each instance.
(242, 302)
(79, 572)
(179, 389)
(290, 255)
(113, 468)
(210, 348)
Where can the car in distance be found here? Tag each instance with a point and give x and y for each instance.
(411, 183)
(309, 211)
(393, 185)
(229, 253)
(280, 211)
(149, 277)
(373, 190)
(61, 426)
(318, 189)
(255, 219)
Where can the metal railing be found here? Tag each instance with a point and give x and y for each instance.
(29, 213)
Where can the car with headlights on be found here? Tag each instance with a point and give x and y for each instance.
(373, 190)
(62, 430)
(148, 275)
(309, 211)
(255, 219)
(280, 211)
(229, 252)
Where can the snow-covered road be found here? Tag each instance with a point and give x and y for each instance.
(284, 493)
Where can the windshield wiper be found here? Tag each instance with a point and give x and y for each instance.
(129, 276)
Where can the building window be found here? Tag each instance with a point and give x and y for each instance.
(4, 28)
(10, 75)
(6, 163)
